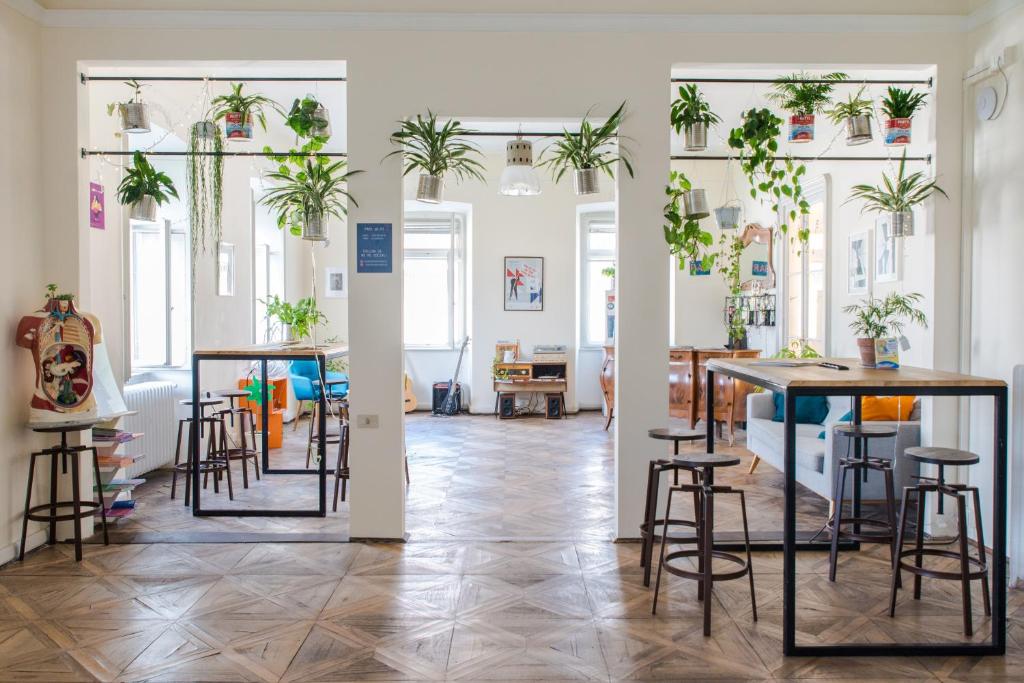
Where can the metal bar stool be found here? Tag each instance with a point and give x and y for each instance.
(971, 569)
(705, 551)
(341, 469)
(245, 447)
(884, 531)
(213, 463)
(655, 469)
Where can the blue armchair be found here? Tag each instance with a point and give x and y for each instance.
(305, 378)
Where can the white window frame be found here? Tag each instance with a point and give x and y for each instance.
(454, 224)
(813, 190)
(592, 221)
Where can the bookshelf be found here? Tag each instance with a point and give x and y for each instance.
(117, 488)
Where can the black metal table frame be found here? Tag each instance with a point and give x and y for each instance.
(321, 471)
(997, 645)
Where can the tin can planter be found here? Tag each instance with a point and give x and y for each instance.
(695, 137)
(728, 217)
(429, 189)
(866, 347)
(902, 223)
(695, 205)
(238, 126)
(144, 210)
(858, 130)
(205, 130)
(801, 128)
(897, 132)
(321, 113)
(314, 227)
(584, 181)
(134, 117)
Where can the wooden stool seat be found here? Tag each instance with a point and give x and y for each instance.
(203, 402)
(941, 456)
(676, 434)
(706, 460)
(864, 431)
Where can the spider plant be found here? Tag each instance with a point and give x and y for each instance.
(883, 318)
(305, 197)
(692, 115)
(855, 113)
(588, 152)
(802, 95)
(897, 196)
(143, 188)
(899, 103)
(245, 108)
(436, 152)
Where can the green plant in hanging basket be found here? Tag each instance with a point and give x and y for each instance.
(729, 255)
(141, 180)
(205, 174)
(898, 194)
(249, 106)
(317, 189)
(802, 95)
(691, 108)
(900, 103)
(136, 97)
(686, 239)
(855, 105)
(437, 150)
(308, 118)
(592, 148)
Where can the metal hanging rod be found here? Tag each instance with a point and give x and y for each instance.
(269, 79)
(128, 153)
(772, 81)
(707, 157)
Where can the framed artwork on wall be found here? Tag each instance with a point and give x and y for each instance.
(858, 268)
(225, 269)
(336, 286)
(524, 283)
(887, 256)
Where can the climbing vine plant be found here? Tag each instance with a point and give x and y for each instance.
(685, 237)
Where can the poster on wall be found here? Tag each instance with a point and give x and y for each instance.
(858, 268)
(886, 255)
(97, 215)
(337, 283)
(373, 248)
(524, 283)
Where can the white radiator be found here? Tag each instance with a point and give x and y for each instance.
(156, 419)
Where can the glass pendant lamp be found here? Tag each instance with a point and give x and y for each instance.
(519, 179)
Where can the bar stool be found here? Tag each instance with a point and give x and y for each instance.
(885, 530)
(231, 395)
(971, 568)
(245, 447)
(654, 471)
(341, 470)
(705, 552)
(77, 514)
(333, 400)
(214, 462)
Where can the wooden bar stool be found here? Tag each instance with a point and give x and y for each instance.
(971, 568)
(654, 471)
(245, 447)
(883, 531)
(80, 509)
(341, 470)
(706, 463)
(212, 463)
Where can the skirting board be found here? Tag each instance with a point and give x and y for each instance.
(35, 540)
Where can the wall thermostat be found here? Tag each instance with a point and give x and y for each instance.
(985, 102)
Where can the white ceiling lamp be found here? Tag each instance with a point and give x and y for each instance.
(519, 179)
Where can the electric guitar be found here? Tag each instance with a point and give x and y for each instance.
(450, 406)
(408, 398)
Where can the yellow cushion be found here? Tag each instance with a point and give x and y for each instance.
(886, 408)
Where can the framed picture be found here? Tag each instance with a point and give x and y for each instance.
(524, 283)
(858, 267)
(225, 269)
(887, 257)
(336, 283)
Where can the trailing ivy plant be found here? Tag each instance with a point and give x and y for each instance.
(769, 176)
(307, 118)
(690, 108)
(802, 95)
(685, 237)
(729, 254)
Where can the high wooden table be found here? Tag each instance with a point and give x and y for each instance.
(264, 353)
(812, 380)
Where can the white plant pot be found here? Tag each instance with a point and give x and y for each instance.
(144, 210)
(134, 117)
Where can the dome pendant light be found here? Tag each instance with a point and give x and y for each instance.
(519, 179)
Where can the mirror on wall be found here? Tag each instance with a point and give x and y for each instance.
(756, 268)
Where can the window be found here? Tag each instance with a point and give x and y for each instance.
(160, 292)
(268, 271)
(435, 279)
(806, 271)
(598, 254)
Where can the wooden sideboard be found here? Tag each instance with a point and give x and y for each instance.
(687, 397)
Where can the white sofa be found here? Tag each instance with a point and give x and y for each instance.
(816, 471)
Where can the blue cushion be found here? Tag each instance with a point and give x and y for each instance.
(809, 409)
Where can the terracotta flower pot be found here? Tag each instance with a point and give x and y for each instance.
(867, 351)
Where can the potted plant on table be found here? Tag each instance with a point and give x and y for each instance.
(134, 113)
(299, 320)
(588, 152)
(692, 115)
(877, 320)
(899, 106)
(897, 197)
(855, 114)
(436, 152)
(683, 234)
(804, 96)
(304, 198)
(238, 111)
(144, 188)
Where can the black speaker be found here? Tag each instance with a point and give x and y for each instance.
(553, 406)
(439, 394)
(506, 405)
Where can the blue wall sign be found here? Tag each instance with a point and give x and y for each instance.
(759, 269)
(373, 248)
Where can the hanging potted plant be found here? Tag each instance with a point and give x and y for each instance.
(436, 152)
(729, 216)
(587, 153)
(897, 197)
(683, 234)
(899, 106)
(803, 97)
(692, 116)
(305, 198)
(309, 119)
(134, 113)
(238, 111)
(143, 188)
(878, 320)
(730, 253)
(855, 114)
(205, 174)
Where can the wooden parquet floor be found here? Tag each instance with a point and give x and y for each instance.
(557, 601)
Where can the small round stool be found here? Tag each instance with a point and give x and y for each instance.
(971, 569)
(654, 471)
(859, 465)
(706, 463)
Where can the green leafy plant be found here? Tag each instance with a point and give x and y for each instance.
(855, 105)
(249, 106)
(768, 175)
(308, 119)
(301, 317)
(737, 325)
(690, 108)
(141, 179)
(730, 252)
(136, 97)
(608, 271)
(592, 147)
(875, 318)
(205, 174)
(685, 237)
(316, 189)
(51, 293)
(897, 194)
(798, 348)
(802, 94)
(498, 372)
(437, 151)
(900, 103)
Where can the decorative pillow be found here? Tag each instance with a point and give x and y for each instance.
(887, 408)
(809, 409)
